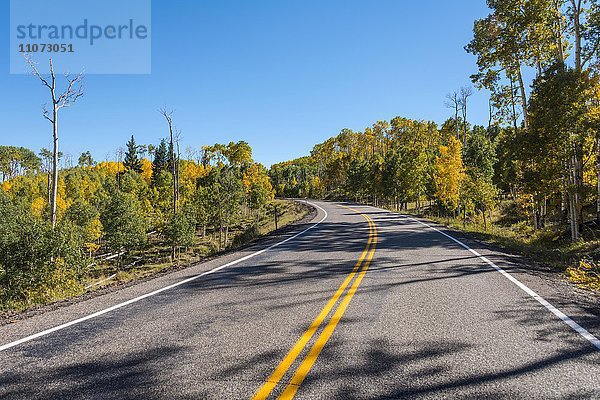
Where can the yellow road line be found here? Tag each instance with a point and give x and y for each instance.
(265, 390)
(314, 352)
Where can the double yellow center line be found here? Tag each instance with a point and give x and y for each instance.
(290, 390)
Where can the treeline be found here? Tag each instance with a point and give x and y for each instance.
(541, 147)
(113, 206)
(397, 162)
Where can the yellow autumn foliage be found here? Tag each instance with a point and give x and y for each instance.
(449, 173)
(110, 167)
(6, 186)
(147, 170)
(37, 206)
(94, 230)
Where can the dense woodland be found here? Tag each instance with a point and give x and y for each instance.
(114, 207)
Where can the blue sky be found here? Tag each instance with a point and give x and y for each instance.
(282, 75)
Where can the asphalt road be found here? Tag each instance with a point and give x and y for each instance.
(366, 304)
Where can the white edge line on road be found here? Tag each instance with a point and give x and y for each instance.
(565, 318)
(134, 300)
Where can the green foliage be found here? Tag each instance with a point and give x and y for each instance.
(480, 153)
(134, 184)
(477, 195)
(246, 236)
(395, 163)
(221, 192)
(124, 222)
(259, 191)
(238, 154)
(15, 161)
(132, 161)
(37, 264)
(161, 160)
(180, 230)
(85, 159)
(297, 178)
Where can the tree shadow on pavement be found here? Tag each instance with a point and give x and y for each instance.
(114, 376)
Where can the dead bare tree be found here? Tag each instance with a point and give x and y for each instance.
(174, 135)
(119, 154)
(177, 151)
(67, 98)
(453, 102)
(465, 93)
(168, 115)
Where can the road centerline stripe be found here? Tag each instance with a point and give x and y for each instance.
(155, 292)
(310, 359)
(271, 382)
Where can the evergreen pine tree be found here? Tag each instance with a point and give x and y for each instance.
(161, 159)
(132, 162)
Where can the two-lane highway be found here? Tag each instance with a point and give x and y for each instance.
(360, 303)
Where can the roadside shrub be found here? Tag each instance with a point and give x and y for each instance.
(38, 264)
(246, 236)
(586, 274)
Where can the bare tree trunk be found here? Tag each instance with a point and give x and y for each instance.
(68, 97)
(169, 118)
(220, 235)
(579, 184)
(173, 172)
(491, 113)
(177, 169)
(534, 212)
(598, 175)
(220, 226)
(484, 221)
(573, 200)
(558, 32)
(513, 104)
(573, 219)
(576, 4)
(54, 161)
(544, 212)
(465, 93)
(464, 112)
(523, 99)
(49, 183)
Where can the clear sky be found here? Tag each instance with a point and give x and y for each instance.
(281, 75)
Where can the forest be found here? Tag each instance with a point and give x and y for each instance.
(149, 206)
(530, 177)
